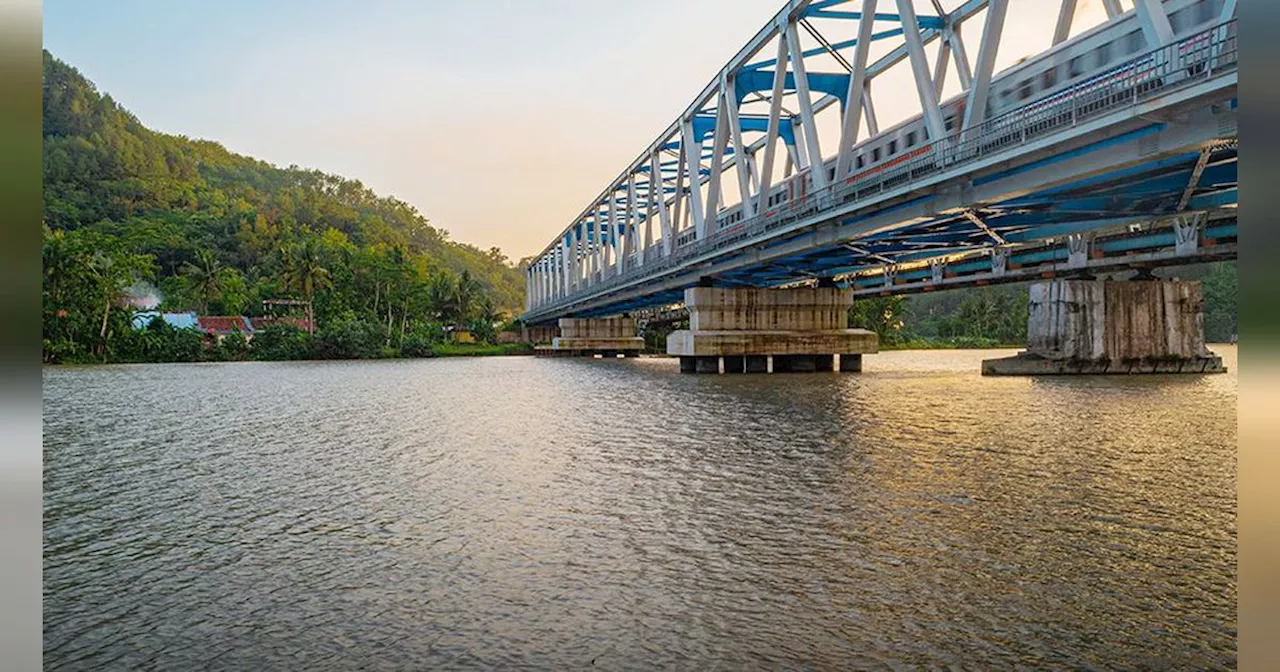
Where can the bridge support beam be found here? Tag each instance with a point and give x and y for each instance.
(590, 336)
(1116, 327)
(751, 330)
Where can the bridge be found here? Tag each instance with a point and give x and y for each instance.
(1114, 148)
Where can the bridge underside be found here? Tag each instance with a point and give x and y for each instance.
(1130, 202)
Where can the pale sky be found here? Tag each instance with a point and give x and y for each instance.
(499, 120)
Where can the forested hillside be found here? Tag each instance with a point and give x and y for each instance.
(217, 232)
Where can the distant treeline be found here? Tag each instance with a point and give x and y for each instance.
(997, 315)
(218, 233)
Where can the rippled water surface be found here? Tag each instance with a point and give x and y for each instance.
(559, 513)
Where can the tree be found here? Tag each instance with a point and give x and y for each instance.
(205, 277)
(304, 273)
(882, 315)
(467, 293)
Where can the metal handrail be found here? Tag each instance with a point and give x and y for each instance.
(1191, 59)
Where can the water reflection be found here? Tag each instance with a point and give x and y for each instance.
(551, 513)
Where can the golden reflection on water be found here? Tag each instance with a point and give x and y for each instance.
(548, 513)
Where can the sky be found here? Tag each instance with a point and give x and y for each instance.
(499, 120)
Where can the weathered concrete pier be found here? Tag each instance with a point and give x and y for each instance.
(1097, 327)
(587, 337)
(754, 330)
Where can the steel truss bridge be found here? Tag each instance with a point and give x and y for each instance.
(1115, 148)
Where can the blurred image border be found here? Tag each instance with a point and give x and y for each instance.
(20, 334)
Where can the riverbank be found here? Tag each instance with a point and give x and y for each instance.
(248, 354)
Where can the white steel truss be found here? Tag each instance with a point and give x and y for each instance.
(812, 55)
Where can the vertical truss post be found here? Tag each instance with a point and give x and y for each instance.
(545, 290)
(999, 261)
(719, 143)
(1066, 15)
(730, 97)
(647, 250)
(1228, 10)
(1113, 8)
(693, 171)
(920, 68)
(528, 285)
(775, 112)
(553, 259)
(677, 201)
(937, 270)
(975, 110)
(629, 226)
(597, 250)
(1186, 230)
(816, 172)
(658, 196)
(1078, 245)
(1155, 22)
(571, 261)
(535, 280)
(615, 223)
(857, 90)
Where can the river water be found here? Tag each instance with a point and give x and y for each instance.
(561, 513)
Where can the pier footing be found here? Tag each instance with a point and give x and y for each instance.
(1091, 327)
(588, 337)
(749, 330)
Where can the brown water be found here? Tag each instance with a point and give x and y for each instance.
(559, 513)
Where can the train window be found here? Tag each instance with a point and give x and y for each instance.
(950, 122)
(1134, 42)
(893, 147)
(1024, 89)
(1049, 78)
(911, 139)
(1104, 53)
(859, 162)
(1075, 67)
(875, 155)
(831, 174)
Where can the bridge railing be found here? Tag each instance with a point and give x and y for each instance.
(1159, 71)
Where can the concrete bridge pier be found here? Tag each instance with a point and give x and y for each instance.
(754, 330)
(1108, 326)
(590, 336)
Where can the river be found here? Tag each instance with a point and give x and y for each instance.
(560, 513)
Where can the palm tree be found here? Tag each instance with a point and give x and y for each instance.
(205, 276)
(441, 296)
(304, 273)
(466, 294)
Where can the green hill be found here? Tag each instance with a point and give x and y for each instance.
(219, 232)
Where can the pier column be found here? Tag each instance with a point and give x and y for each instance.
(1112, 326)
(801, 329)
(589, 336)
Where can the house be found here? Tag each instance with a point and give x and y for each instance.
(142, 319)
(221, 326)
(459, 335)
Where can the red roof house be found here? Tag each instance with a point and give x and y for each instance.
(222, 325)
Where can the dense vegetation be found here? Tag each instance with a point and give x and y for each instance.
(130, 211)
